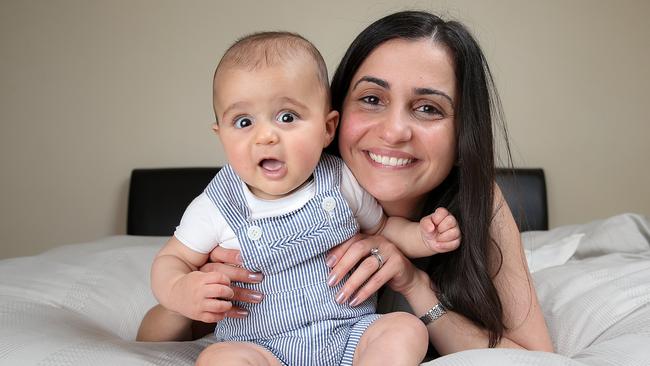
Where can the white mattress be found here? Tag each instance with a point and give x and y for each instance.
(81, 304)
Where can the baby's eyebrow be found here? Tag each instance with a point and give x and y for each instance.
(293, 101)
(237, 105)
(429, 91)
(371, 79)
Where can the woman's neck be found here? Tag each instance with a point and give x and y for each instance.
(406, 208)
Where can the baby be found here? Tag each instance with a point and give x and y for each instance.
(284, 204)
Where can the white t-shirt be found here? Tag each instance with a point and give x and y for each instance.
(203, 227)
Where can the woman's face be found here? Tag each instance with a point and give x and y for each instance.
(397, 131)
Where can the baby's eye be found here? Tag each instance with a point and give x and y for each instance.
(286, 117)
(371, 99)
(243, 122)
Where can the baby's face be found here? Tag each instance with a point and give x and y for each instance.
(273, 123)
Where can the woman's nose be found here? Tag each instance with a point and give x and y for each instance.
(266, 134)
(395, 128)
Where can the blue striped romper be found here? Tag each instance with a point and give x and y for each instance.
(298, 321)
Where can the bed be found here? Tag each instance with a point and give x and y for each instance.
(81, 304)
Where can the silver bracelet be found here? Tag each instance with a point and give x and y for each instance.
(434, 313)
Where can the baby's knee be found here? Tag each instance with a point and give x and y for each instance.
(409, 329)
(217, 354)
(232, 353)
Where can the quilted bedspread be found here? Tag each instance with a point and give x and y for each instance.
(81, 304)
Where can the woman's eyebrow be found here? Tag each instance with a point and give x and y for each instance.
(427, 91)
(371, 79)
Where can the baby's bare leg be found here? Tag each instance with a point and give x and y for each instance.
(162, 325)
(236, 354)
(394, 339)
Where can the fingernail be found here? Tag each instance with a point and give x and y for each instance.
(340, 298)
(331, 280)
(242, 312)
(256, 277)
(330, 260)
(239, 259)
(256, 297)
(354, 301)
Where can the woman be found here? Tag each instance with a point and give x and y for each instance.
(415, 87)
(414, 94)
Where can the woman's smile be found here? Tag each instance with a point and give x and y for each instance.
(390, 159)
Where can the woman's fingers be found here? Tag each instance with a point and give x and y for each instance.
(366, 269)
(223, 255)
(376, 281)
(338, 252)
(234, 273)
(356, 251)
(236, 312)
(247, 295)
(368, 277)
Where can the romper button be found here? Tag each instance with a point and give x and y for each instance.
(254, 232)
(328, 204)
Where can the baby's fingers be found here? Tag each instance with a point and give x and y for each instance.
(216, 306)
(448, 246)
(447, 223)
(449, 235)
(439, 215)
(427, 225)
(218, 292)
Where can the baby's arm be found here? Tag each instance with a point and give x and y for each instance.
(435, 233)
(180, 287)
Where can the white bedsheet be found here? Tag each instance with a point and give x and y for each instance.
(81, 304)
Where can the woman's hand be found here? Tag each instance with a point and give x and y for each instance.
(228, 262)
(396, 270)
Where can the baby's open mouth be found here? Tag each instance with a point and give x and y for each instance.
(271, 164)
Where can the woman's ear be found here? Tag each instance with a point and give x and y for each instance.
(331, 123)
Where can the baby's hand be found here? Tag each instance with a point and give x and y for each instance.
(440, 231)
(202, 296)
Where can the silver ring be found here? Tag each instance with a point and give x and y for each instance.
(380, 260)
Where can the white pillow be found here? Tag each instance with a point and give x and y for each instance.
(543, 255)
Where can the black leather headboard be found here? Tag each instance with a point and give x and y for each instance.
(158, 197)
(525, 192)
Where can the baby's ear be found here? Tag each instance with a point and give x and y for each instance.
(331, 123)
(215, 128)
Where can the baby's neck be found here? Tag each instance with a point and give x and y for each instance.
(263, 195)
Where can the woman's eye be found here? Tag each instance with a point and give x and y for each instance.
(243, 122)
(286, 117)
(429, 109)
(370, 99)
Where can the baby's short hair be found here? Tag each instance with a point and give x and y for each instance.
(272, 48)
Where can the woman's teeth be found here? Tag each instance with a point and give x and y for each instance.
(389, 161)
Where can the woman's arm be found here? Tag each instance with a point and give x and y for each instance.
(526, 328)
(452, 332)
(522, 313)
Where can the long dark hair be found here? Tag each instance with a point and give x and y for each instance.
(462, 276)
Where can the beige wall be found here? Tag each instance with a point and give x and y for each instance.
(92, 89)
